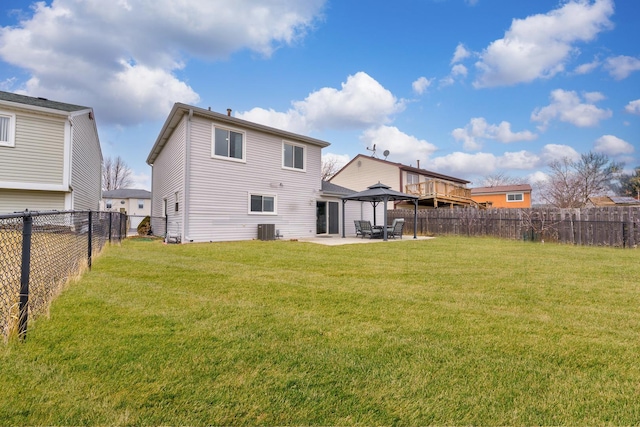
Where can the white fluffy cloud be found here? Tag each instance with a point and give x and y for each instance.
(361, 102)
(523, 160)
(421, 85)
(621, 66)
(612, 145)
(567, 106)
(404, 148)
(587, 67)
(478, 129)
(551, 152)
(114, 52)
(465, 164)
(540, 45)
(460, 54)
(633, 107)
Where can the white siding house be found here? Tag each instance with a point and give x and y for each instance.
(50, 157)
(134, 202)
(217, 178)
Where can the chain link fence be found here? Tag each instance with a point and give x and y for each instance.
(40, 252)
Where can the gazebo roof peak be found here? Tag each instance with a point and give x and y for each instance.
(378, 185)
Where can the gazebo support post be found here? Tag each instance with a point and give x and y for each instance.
(344, 203)
(384, 224)
(415, 219)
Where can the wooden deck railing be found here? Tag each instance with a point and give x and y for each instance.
(437, 188)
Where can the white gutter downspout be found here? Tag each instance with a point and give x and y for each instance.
(187, 177)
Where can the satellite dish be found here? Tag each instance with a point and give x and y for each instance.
(385, 153)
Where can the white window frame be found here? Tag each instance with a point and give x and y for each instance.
(275, 203)
(515, 197)
(411, 174)
(11, 137)
(304, 156)
(140, 203)
(108, 204)
(228, 129)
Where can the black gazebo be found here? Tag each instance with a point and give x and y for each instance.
(381, 193)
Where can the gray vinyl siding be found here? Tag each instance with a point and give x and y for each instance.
(219, 189)
(18, 200)
(86, 164)
(167, 178)
(38, 154)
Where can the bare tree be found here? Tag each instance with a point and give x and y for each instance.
(571, 183)
(115, 174)
(501, 178)
(329, 167)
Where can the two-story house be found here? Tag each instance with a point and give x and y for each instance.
(432, 188)
(218, 178)
(134, 202)
(50, 156)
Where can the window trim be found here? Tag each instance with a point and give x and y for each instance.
(228, 158)
(140, 203)
(108, 204)
(275, 203)
(515, 200)
(412, 174)
(12, 129)
(304, 156)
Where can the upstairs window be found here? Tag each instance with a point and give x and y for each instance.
(292, 156)
(412, 178)
(228, 144)
(140, 204)
(7, 129)
(109, 203)
(262, 204)
(515, 197)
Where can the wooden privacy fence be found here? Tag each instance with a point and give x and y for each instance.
(611, 226)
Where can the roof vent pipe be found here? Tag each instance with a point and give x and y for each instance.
(418, 161)
(229, 112)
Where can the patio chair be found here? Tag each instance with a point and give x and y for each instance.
(368, 230)
(358, 228)
(396, 228)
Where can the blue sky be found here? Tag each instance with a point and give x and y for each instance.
(469, 88)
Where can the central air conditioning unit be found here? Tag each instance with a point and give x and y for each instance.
(266, 231)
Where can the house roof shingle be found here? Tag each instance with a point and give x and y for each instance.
(126, 193)
(40, 102)
(499, 189)
(328, 187)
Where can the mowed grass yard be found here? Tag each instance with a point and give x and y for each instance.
(449, 331)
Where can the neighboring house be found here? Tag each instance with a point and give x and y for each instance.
(503, 196)
(433, 189)
(50, 157)
(219, 178)
(607, 201)
(133, 202)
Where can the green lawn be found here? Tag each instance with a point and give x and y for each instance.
(450, 331)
